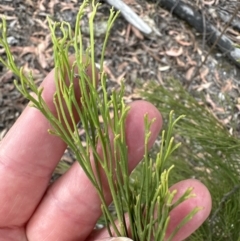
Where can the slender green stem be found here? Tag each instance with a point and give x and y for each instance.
(104, 159)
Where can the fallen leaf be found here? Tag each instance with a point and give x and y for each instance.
(227, 87)
(135, 60)
(6, 8)
(173, 32)
(226, 120)
(23, 50)
(120, 78)
(180, 63)
(137, 33)
(164, 68)
(209, 3)
(204, 86)
(180, 39)
(128, 33)
(184, 43)
(107, 70)
(41, 5)
(44, 24)
(190, 73)
(203, 74)
(174, 52)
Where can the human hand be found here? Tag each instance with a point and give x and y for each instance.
(31, 210)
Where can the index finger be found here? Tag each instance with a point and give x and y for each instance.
(28, 156)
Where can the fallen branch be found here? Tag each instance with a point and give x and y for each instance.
(195, 19)
(130, 16)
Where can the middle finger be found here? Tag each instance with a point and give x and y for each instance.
(71, 206)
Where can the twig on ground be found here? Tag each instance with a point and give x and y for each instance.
(130, 16)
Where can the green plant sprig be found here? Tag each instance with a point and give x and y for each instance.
(147, 206)
(209, 152)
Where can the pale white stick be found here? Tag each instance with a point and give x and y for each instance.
(130, 16)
